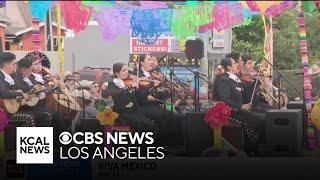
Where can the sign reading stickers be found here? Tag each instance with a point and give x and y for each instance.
(34, 145)
(218, 39)
(136, 47)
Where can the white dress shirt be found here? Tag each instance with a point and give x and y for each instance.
(234, 77)
(38, 78)
(8, 78)
(27, 80)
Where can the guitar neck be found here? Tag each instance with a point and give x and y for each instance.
(37, 92)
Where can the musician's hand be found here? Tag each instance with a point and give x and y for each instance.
(62, 85)
(103, 86)
(37, 87)
(156, 83)
(51, 84)
(42, 87)
(136, 83)
(26, 96)
(246, 107)
(129, 105)
(151, 98)
(177, 102)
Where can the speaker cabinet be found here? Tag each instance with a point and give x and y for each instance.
(194, 49)
(284, 132)
(199, 135)
(300, 105)
(10, 135)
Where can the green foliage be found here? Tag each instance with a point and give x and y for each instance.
(286, 42)
(250, 37)
(313, 36)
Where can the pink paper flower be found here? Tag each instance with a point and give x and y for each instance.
(218, 115)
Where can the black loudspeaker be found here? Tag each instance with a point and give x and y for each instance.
(194, 49)
(199, 135)
(10, 135)
(284, 133)
(300, 105)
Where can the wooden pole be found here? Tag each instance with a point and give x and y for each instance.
(59, 39)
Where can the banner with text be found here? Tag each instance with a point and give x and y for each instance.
(137, 47)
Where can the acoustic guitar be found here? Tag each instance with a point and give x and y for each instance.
(11, 106)
(36, 96)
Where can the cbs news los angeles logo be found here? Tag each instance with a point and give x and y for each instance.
(34, 145)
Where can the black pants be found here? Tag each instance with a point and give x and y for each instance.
(45, 117)
(23, 118)
(137, 121)
(170, 125)
(254, 125)
(58, 123)
(42, 117)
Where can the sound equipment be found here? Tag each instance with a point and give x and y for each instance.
(10, 134)
(199, 135)
(194, 49)
(284, 135)
(300, 105)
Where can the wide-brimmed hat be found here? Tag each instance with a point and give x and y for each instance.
(85, 94)
(314, 69)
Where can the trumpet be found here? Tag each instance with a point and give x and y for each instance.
(271, 94)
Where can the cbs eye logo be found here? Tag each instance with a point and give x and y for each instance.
(65, 138)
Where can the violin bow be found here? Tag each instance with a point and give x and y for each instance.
(138, 65)
(255, 85)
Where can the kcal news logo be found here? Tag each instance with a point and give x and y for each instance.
(34, 145)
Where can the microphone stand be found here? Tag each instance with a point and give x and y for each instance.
(171, 74)
(172, 90)
(84, 116)
(197, 78)
(197, 83)
(58, 91)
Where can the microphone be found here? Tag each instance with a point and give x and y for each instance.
(200, 73)
(83, 104)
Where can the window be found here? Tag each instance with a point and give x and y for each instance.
(55, 43)
(7, 45)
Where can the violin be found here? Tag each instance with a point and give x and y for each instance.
(157, 75)
(143, 81)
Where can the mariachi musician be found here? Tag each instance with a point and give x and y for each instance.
(7, 67)
(36, 75)
(22, 82)
(229, 90)
(37, 78)
(123, 90)
(250, 84)
(170, 125)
